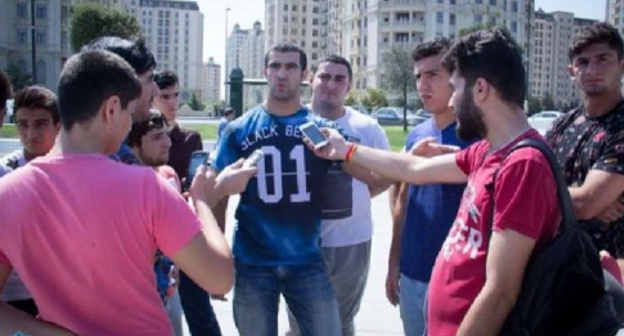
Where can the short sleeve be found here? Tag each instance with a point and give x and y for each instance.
(227, 151)
(612, 158)
(525, 194)
(468, 158)
(380, 140)
(173, 223)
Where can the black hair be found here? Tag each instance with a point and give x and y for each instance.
(491, 54)
(135, 53)
(88, 79)
(288, 47)
(155, 120)
(601, 32)
(336, 59)
(32, 97)
(436, 47)
(5, 89)
(165, 79)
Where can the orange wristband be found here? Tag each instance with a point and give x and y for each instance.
(350, 152)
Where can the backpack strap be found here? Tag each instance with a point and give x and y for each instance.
(563, 195)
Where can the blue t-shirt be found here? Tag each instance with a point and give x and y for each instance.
(431, 210)
(279, 213)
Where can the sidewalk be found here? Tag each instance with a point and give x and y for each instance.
(376, 316)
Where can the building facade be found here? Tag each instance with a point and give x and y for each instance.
(552, 36)
(173, 31)
(51, 38)
(252, 64)
(233, 53)
(211, 92)
(615, 14)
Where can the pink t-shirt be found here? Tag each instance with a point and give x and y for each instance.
(81, 230)
(526, 202)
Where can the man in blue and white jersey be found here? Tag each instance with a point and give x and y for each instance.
(277, 239)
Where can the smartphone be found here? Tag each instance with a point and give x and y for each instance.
(313, 133)
(253, 159)
(198, 158)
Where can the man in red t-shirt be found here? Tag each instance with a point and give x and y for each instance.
(477, 278)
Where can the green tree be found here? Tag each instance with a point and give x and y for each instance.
(534, 105)
(352, 98)
(92, 20)
(473, 28)
(399, 77)
(195, 104)
(18, 77)
(374, 98)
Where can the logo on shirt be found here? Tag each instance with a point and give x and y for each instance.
(464, 238)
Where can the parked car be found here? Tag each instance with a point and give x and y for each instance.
(394, 116)
(360, 108)
(423, 113)
(541, 121)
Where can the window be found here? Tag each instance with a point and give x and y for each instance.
(41, 37)
(314, 45)
(41, 11)
(479, 2)
(493, 2)
(514, 26)
(314, 32)
(440, 17)
(478, 18)
(452, 2)
(285, 7)
(514, 6)
(315, 10)
(22, 36)
(315, 22)
(21, 10)
(452, 19)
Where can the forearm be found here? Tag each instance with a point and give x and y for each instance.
(398, 221)
(582, 204)
(391, 165)
(13, 320)
(219, 211)
(212, 229)
(487, 314)
(376, 183)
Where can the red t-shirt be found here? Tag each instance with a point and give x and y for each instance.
(526, 202)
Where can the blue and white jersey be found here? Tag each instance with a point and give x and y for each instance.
(279, 213)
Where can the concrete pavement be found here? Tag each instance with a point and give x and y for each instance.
(376, 317)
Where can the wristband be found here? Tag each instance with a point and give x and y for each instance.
(351, 152)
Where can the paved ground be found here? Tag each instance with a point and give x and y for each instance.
(376, 316)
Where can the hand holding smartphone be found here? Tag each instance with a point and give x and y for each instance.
(314, 134)
(198, 158)
(253, 159)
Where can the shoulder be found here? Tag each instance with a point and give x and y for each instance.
(12, 160)
(190, 134)
(421, 130)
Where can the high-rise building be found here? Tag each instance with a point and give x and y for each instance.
(252, 63)
(173, 31)
(302, 22)
(372, 27)
(51, 38)
(552, 36)
(615, 14)
(211, 92)
(233, 53)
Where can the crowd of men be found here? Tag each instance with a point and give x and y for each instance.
(102, 236)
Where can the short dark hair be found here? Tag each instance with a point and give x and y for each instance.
(135, 53)
(336, 59)
(33, 97)
(165, 79)
(228, 110)
(5, 89)
(288, 47)
(491, 54)
(436, 47)
(88, 79)
(601, 32)
(155, 120)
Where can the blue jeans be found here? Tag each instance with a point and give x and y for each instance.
(412, 302)
(306, 289)
(198, 311)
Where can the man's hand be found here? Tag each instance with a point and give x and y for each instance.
(428, 147)
(392, 284)
(335, 149)
(613, 212)
(210, 188)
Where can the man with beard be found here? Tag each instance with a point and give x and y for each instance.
(422, 219)
(143, 62)
(589, 142)
(276, 241)
(477, 275)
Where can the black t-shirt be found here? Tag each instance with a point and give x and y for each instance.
(581, 144)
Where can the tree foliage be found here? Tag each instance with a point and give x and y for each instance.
(374, 98)
(352, 98)
(92, 20)
(399, 77)
(534, 105)
(195, 104)
(547, 103)
(18, 77)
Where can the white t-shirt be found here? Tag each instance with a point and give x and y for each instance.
(346, 201)
(14, 289)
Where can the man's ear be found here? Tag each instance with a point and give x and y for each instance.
(571, 71)
(110, 107)
(481, 90)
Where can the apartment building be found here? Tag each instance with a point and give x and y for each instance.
(51, 38)
(173, 30)
(211, 87)
(552, 36)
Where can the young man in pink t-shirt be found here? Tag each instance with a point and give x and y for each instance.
(477, 278)
(82, 230)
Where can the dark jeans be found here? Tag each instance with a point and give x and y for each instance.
(198, 311)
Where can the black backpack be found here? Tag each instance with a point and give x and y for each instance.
(563, 287)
